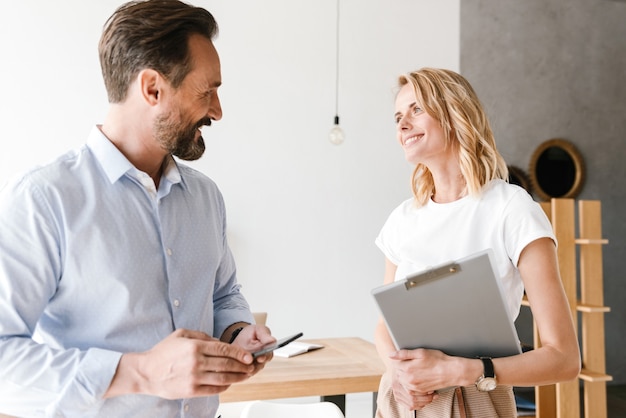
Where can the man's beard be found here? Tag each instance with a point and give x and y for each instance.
(179, 139)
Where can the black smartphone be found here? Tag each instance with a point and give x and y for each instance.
(280, 343)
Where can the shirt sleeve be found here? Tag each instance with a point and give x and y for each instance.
(37, 379)
(229, 304)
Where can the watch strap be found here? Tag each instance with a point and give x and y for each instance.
(235, 334)
(488, 367)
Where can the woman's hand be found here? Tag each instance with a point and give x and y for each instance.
(413, 400)
(417, 374)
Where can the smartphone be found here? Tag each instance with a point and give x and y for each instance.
(280, 343)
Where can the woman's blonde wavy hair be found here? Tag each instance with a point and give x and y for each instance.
(450, 99)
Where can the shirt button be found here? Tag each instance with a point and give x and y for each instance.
(169, 251)
(186, 408)
(176, 303)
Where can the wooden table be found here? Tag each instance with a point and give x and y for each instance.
(344, 365)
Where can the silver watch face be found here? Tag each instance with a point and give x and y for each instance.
(486, 384)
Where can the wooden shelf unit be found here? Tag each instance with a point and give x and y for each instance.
(584, 271)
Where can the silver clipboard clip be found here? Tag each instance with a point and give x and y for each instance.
(427, 276)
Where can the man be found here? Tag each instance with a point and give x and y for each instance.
(118, 291)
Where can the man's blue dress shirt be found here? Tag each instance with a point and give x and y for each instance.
(96, 262)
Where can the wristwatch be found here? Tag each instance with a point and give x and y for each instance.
(487, 382)
(235, 334)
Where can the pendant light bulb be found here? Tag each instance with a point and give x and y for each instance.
(336, 135)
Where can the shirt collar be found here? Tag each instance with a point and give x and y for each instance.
(116, 165)
(171, 172)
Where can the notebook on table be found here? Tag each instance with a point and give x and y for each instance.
(456, 307)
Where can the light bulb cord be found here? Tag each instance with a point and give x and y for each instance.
(337, 68)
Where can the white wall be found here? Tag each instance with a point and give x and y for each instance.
(303, 213)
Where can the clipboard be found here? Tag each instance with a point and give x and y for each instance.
(456, 307)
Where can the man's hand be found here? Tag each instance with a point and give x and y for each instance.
(254, 337)
(186, 364)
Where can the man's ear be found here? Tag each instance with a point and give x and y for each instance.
(151, 84)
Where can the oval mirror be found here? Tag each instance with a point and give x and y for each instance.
(556, 170)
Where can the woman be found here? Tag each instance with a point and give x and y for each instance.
(462, 204)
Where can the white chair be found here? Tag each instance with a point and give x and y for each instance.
(265, 409)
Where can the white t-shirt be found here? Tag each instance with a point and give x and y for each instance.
(504, 218)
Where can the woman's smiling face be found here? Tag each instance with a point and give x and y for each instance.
(420, 135)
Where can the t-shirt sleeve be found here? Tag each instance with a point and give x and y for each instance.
(525, 221)
(388, 236)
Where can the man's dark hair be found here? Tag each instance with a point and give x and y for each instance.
(150, 34)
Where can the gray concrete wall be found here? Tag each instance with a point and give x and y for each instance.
(557, 68)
